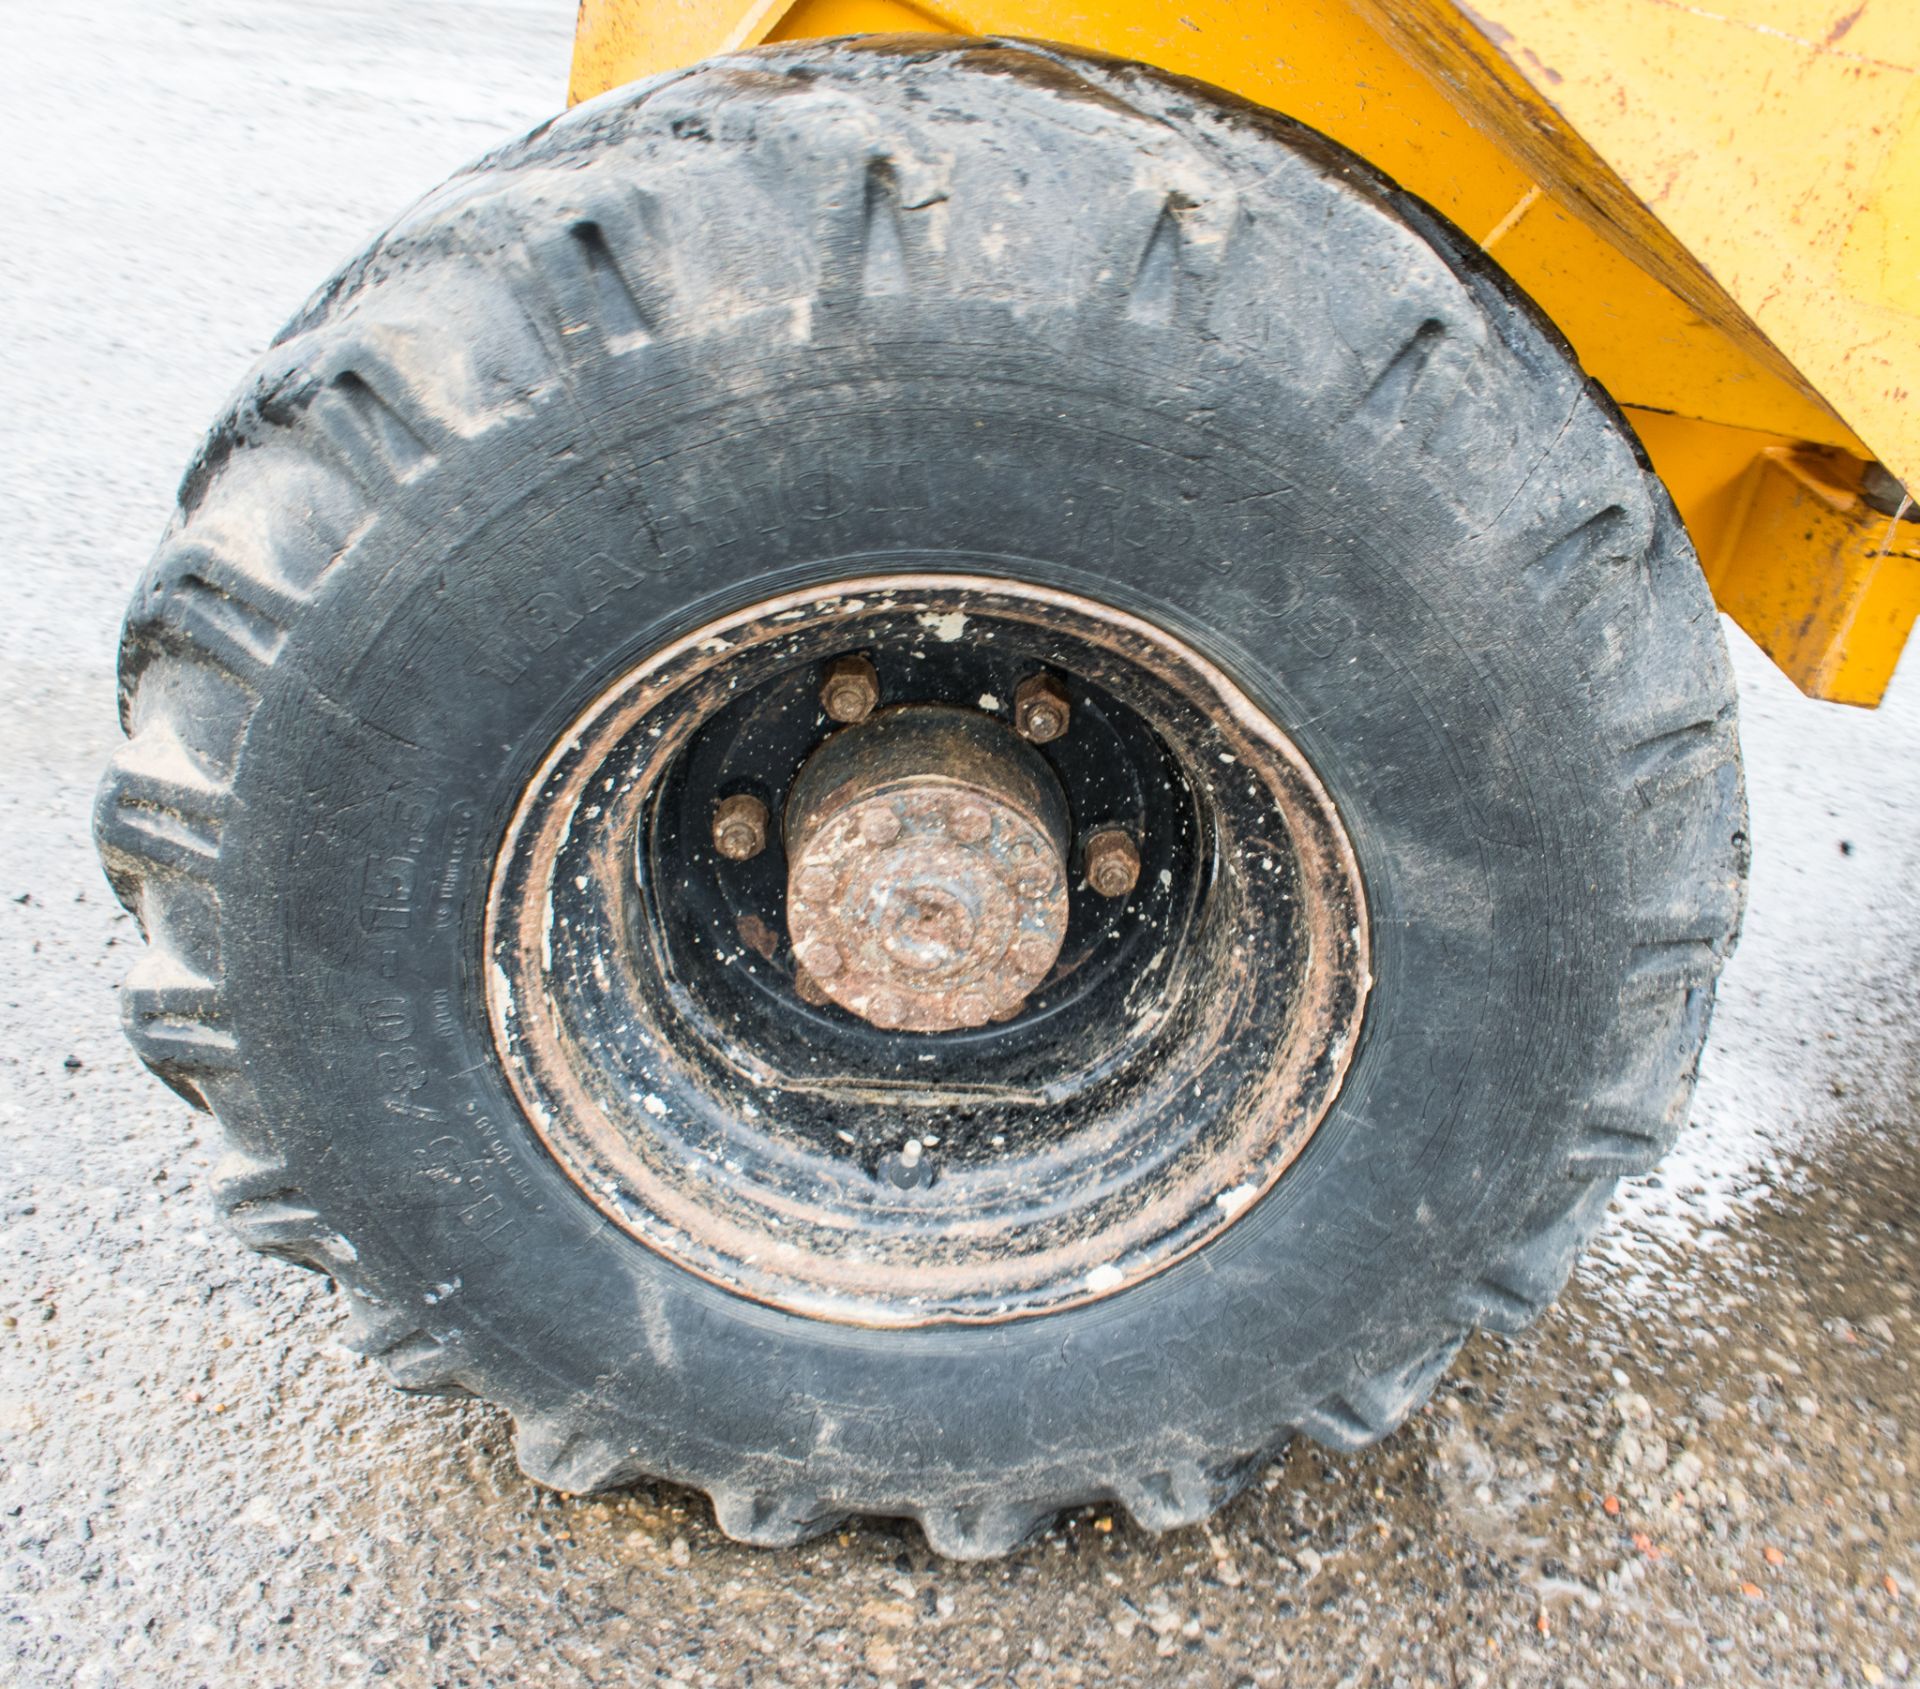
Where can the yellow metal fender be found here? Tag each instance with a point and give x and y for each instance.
(1718, 205)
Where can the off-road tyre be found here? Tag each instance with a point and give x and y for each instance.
(813, 311)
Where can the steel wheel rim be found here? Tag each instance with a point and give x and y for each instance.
(667, 1150)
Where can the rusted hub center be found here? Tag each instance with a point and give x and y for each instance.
(926, 886)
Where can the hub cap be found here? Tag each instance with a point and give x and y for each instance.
(927, 885)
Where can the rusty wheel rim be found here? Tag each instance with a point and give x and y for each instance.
(1139, 1119)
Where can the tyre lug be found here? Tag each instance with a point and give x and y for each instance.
(1113, 862)
(740, 827)
(850, 689)
(1040, 709)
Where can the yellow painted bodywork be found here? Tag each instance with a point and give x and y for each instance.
(1718, 204)
(1842, 615)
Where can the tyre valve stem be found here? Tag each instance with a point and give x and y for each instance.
(904, 1168)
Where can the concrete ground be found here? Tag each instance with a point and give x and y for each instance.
(1699, 1468)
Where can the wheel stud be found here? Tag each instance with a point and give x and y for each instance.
(740, 827)
(1040, 709)
(850, 689)
(1113, 862)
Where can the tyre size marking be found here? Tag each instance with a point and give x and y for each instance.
(389, 876)
(482, 1211)
(402, 1072)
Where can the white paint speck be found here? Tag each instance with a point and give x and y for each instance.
(653, 1105)
(1231, 1202)
(945, 628)
(989, 702)
(1104, 1278)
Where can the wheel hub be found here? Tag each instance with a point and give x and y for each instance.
(927, 885)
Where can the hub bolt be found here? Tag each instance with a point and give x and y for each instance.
(850, 690)
(740, 827)
(1040, 709)
(1113, 862)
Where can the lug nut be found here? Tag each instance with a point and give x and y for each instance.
(1113, 862)
(740, 827)
(850, 689)
(1040, 708)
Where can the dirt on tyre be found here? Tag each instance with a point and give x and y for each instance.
(929, 780)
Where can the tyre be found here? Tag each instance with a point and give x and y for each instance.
(928, 780)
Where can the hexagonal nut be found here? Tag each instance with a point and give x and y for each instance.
(1040, 709)
(850, 689)
(970, 823)
(1113, 862)
(740, 827)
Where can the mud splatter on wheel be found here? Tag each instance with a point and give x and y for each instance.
(925, 781)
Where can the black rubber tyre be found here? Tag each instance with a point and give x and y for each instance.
(839, 308)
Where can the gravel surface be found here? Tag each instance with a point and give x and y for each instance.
(1697, 1469)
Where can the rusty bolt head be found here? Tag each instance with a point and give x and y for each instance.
(850, 689)
(740, 827)
(1040, 708)
(1113, 862)
(822, 961)
(807, 988)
